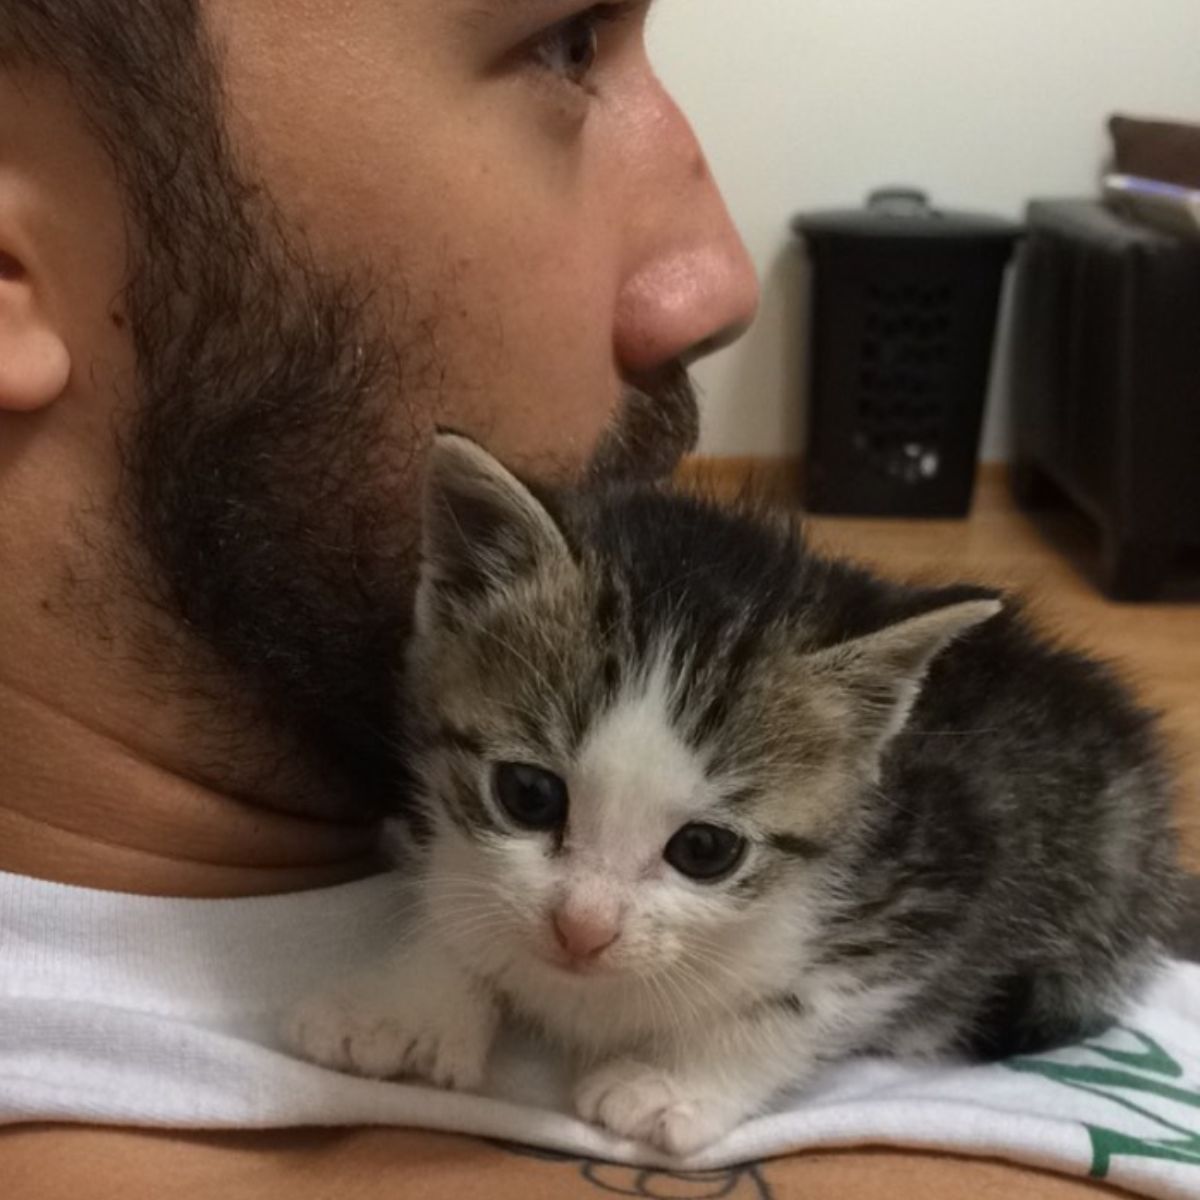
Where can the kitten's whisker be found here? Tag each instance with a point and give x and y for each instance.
(661, 1014)
(726, 1002)
(477, 926)
(696, 975)
(676, 981)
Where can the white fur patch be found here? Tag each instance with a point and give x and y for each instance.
(636, 780)
(649, 1104)
(415, 1017)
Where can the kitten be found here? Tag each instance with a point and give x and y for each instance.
(712, 811)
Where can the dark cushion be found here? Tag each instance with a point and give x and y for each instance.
(1164, 150)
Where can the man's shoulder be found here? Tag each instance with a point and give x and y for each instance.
(65, 1163)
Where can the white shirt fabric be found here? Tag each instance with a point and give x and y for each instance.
(121, 1009)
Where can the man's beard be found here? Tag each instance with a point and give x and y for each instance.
(271, 460)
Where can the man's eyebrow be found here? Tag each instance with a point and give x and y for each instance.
(480, 11)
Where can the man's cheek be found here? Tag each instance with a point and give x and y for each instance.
(538, 387)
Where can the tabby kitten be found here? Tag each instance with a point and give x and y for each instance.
(712, 810)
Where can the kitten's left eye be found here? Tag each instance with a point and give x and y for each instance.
(534, 797)
(705, 852)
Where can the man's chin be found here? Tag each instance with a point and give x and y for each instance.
(657, 423)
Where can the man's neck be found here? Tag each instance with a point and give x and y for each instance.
(80, 806)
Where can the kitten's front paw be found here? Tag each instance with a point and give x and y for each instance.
(647, 1103)
(382, 1035)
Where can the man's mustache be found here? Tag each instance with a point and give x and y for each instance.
(657, 423)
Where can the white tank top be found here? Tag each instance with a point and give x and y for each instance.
(130, 1010)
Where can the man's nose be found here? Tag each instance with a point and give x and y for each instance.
(690, 286)
(584, 934)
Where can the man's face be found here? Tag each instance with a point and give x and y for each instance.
(513, 176)
(352, 223)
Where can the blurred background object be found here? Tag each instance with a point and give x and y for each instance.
(1106, 385)
(904, 304)
(807, 106)
(1165, 150)
(804, 105)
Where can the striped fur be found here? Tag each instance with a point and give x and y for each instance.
(958, 833)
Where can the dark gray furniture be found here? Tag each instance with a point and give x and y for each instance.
(1106, 384)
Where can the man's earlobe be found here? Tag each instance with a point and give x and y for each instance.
(35, 364)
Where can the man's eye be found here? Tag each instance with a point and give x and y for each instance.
(570, 48)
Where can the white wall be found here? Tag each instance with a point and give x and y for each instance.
(806, 104)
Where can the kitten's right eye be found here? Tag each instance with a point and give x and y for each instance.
(706, 853)
(533, 797)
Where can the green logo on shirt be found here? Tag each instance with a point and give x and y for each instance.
(1125, 1077)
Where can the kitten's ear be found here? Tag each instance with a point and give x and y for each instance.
(482, 529)
(884, 671)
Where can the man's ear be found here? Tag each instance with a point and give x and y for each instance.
(482, 530)
(34, 362)
(883, 672)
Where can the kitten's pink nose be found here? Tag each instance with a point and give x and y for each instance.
(584, 935)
